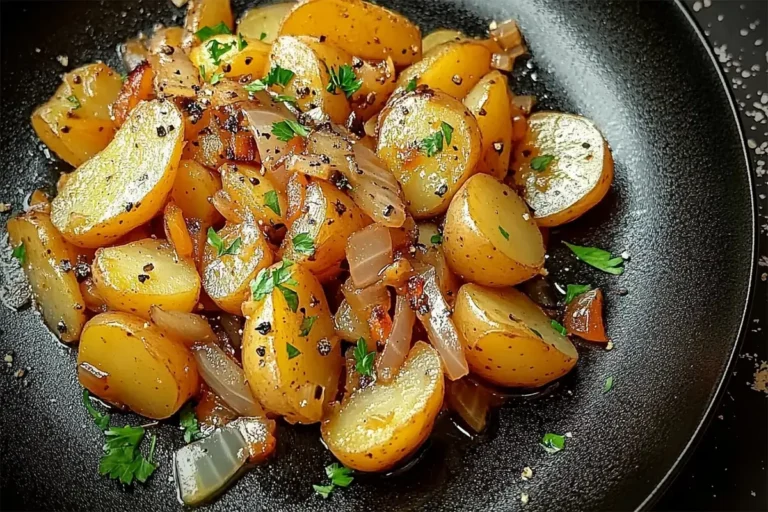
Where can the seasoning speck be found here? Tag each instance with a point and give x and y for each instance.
(63, 60)
(524, 498)
(527, 473)
(143, 278)
(609, 345)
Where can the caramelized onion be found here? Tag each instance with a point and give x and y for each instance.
(233, 326)
(584, 316)
(470, 401)
(347, 324)
(212, 411)
(506, 33)
(368, 252)
(272, 150)
(398, 343)
(363, 300)
(375, 189)
(523, 103)
(186, 327)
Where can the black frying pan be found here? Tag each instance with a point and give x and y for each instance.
(681, 205)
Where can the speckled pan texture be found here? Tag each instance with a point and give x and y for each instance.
(681, 205)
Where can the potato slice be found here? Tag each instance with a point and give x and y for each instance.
(440, 36)
(377, 83)
(227, 277)
(128, 362)
(328, 218)
(264, 20)
(192, 189)
(48, 263)
(428, 182)
(508, 339)
(453, 67)
(125, 185)
(254, 193)
(381, 424)
(489, 102)
(311, 62)
(360, 28)
(490, 237)
(235, 60)
(139, 86)
(138, 275)
(291, 354)
(563, 165)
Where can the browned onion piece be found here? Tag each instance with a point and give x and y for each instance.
(375, 190)
(226, 379)
(398, 343)
(506, 33)
(470, 401)
(348, 325)
(175, 75)
(368, 252)
(226, 207)
(311, 165)
(397, 273)
(186, 327)
(364, 300)
(524, 103)
(233, 326)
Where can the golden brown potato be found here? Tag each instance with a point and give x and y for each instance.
(139, 86)
(263, 22)
(125, 185)
(490, 237)
(377, 81)
(192, 189)
(563, 165)
(489, 102)
(453, 67)
(360, 28)
(381, 424)
(254, 193)
(318, 237)
(291, 354)
(311, 62)
(176, 231)
(48, 260)
(236, 60)
(128, 362)
(208, 13)
(508, 339)
(138, 275)
(175, 74)
(227, 273)
(406, 126)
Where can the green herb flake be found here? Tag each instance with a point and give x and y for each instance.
(201, 68)
(558, 327)
(74, 101)
(306, 325)
(263, 36)
(433, 144)
(215, 241)
(123, 76)
(552, 443)
(447, 131)
(541, 162)
(608, 384)
(339, 475)
(292, 351)
(290, 296)
(436, 239)
(345, 79)
(262, 285)
(364, 359)
(206, 33)
(188, 422)
(241, 42)
(101, 419)
(216, 78)
(122, 459)
(323, 490)
(271, 201)
(598, 258)
(217, 50)
(303, 243)
(574, 290)
(503, 233)
(267, 280)
(276, 76)
(20, 253)
(288, 129)
(285, 98)
(411, 85)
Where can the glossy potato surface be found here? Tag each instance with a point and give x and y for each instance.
(508, 339)
(264, 20)
(381, 424)
(236, 60)
(128, 362)
(579, 175)
(490, 237)
(126, 184)
(192, 189)
(250, 191)
(440, 36)
(428, 182)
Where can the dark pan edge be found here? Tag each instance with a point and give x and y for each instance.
(686, 453)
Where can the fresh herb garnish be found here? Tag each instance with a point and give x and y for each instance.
(188, 422)
(288, 129)
(303, 243)
(411, 85)
(553, 443)
(123, 76)
(598, 258)
(447, 131)
(558, 327)
(608, 384)
(122, 459)
(433, 144)
(364, 359)
(276, 76)
(574, 290)
(208, 32)
(215, 241)
(271, 201)
(323, 490)
(306, 325)
(339, 475)
(202, 73)
(101, 419)
(267, 280)
(436, 239)
(503, 233)
(74, 101)
(541, 162)
(292, 351)
(345, 79)
(216, 78)
(263, 36)
(241, 43)
(285, 98)
(216, 50)
(20, 253)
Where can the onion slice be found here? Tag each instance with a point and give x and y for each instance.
(470, 401)
(584, 316)
(347, 324)
(186, 327)
(233, 326)
(364, 300)
(368, 252)
(506, 33)
(398, 343)
(375, 189)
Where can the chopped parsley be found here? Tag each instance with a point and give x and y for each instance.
(503, 233)
(285, 98)
(323, 490)
(574, 290)
(74, 101)
(241, 43)
(271, 201)
(552, 443)
(202, 73)
(216, 78)
(339, 475)
(411, 85)
(188, 422)
(292, 351)
(558, 327)
(276, 76)
(541, 162)
(122, 459)
(215, 241)
(598, 258)
(364, 359)
(20, 253)
(436, 239)
(267, 280)
(216, 50)
(303, 243)
(288, 129)
(101, 419)
(433, 144)
(345, 79)
(208, 32)
(608, 384)
(306, 325)
(263, 36)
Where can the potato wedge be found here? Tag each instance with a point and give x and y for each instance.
(235, 59)
(254, 193)
(563, 165)
(490, 237)
(311, 62)
(440, 36)
(138, 275)
(428, 182)
(377, 83)
(360, 28)
(192, 189)
(139, 86)
(227, 277)
(264, 20)
(318, 237)
(47, 262)
(176, 231)
(126, 184)
(128, 362)
(453, 67)
(508, 339)
(381, 424)
(489, 102)
(292, 363)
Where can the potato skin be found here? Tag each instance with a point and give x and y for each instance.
(283, 385)
(54, 288)
(128, 362)
(473, 243)
(428, 183)
(499, 331)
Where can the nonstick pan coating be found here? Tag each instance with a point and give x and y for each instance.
(681, 205)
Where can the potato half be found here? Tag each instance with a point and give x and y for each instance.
(563, 165)
(252, 191)
(125, 185)
(428, 182)
(264, 21)
(237, 56)
(508, 339)
(136, 276)
(381, 424)
(128, 362)
(192, 189)
(490, 237)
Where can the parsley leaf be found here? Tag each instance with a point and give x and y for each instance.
(436, 239)
(292, 351)
(541, 162)
(339, 474)
(364, 359)
(202, 73)
(271, 201)
(216, 78)
(345, 79)
(552, 443)
(281, 275)
(215, 241)
(122, 459)
(188, 422)
(74, 101)
(276, 76)
(267, 280)
(558, 327)
(303, 243)
(608, 384)
(574, 290)
(285, 98)
(262, 285)
(503, 233)
(20, 253)
(433, 144)
(323, 490)
(263, 36)
(101, 420)
(208, 32)
(290, 296)
(447, 131)
(598, 258)
(286, 130)
(306, 325)
(216, 50)
(241, 43)
(411, 85)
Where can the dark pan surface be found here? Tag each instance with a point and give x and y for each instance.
(681, 205)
